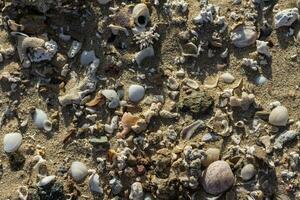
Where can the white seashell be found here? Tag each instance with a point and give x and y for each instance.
(40, 119)
(112, 98)
(78, 171)
(286, 17)
(263, 48)
(279, 116)
(136, 93)
(191, 83)
(143, 54)
(12, 142)
(260, 80)
(87, 57)
(74, 49)
(141, 15)
(243, 36)
(94, 184)
(247, 172)
(103, 2)
(227, 77)
(46, 180)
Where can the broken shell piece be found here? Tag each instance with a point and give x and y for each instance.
(143, 54)
(243, 36)
(191, 83)
(46, 52)
(244, 102)
(74, 49)
(12, 142)
(252, 64)
(117, 29)
(190, 50)
(227, 77)
(284, 138)
(188, 131)
(87, 57)
(286, 17)
(94, 183)
(112, 126)
(141, 15)
(263, 48)
(46, 180)
(279, 116)
(112, 98)
(40, 119)
(99, 99)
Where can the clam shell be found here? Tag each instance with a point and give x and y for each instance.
(141, 15)
(12, 142)
(143, 54)
(243, 36)
(78, 171)
(279, 116)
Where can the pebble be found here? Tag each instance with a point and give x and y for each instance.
(217, 178)
(87, 57)
(12, 142)
(284, 138)
(136, 93)
(247, 172)
(227, 77)
(78, 171)
(260, 80)
(46, 180)
(279, 116)
(212, 155)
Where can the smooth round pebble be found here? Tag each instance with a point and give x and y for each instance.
(136, 93)
(227, 77)
(212, 155)
(247, 172)
(12, 142)
(78, 171)
(279, 116)
(217, 178)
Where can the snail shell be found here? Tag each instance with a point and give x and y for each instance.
(141, 15)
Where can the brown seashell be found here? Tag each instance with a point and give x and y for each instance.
(99, 99)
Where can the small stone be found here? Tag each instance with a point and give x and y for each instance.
(59, 60)
(12, 142)
(103, 140)
(46, 180)
(227, 77)
(247, 172)
(78, 171)
(279, 116)
(212, 155)
(286, 17)
(136, 93)
(217, 178)
(284, 138)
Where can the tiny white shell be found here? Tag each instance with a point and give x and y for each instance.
(279, 116)
(12, 142)
(143, 54)
(40, 119)
(227, 77)
(78, 171)
(46, 180)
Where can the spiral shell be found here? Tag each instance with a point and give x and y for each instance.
(141, 15)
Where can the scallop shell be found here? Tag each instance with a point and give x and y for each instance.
(243, 36)
(40, 119)
(279, 116)
(12, 142)
(141, 15)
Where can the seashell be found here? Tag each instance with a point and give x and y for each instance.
(141, 15)
(217, 178)
(74, 49)
(12, 142)
(172, 83)
(112, 98)
(263, 48)
(136, 93)
(247, 172)
(243, 36)
(227, 78)
(103, 2)
(143, 54)
(212, 155)
(46, 53)
(190, 50)
(94, 184)
(40, 119)
(87, 57)
(279, 116)
(78, 171)
(191, 83)
(260, 80)
(46, 180)
(188, 131)
(286, 17)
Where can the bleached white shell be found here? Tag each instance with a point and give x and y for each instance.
(12, 142)
(40, 119)
(78, 171)
(141, 15)
(263, 48)
(191, 83)
(279, 116)
(94, 184)
(112, 98)
(87, 57)
(136, 93)
(46, 180)
(143, 54)
(286, 17)
(227, 77)
(243, 36)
